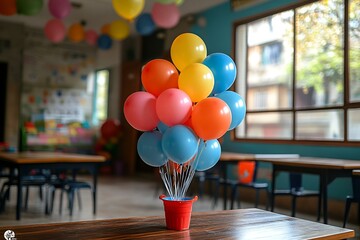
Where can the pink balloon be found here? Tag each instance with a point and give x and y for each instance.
(55, 30)
(91, 37)
(59, 8)
(165, 15)
(173, 106)
(140, 111)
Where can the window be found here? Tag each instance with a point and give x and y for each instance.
(100, 100)
(299, 70)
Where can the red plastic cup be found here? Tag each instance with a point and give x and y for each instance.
(178, 212)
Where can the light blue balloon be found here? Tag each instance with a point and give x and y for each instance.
(209, 154)
(223, 69)
(144, 24)
(179, 143)
(150, 150)
(237, 107)
(162, 127)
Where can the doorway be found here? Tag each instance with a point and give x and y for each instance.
(3, 83)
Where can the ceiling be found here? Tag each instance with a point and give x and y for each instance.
(96, 13)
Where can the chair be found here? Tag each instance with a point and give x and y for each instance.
(247, 178)
(68, 186)
(353, 198)
(296, 190)
(34, 179)
(202, 177)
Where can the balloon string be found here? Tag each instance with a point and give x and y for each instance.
(177, 178)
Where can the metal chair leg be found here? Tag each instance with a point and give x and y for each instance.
(347, 210)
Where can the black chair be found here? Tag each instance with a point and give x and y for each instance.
(296, 190)
(37, 180)
(70, 186)
(250, 169)
(353, 198)
(203, 178)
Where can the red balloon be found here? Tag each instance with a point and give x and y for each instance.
(140, 111)
(91, 37)
(211, 118)
(110, 128)
(159, 75)
(8, 7)
(55, 30)
(173, 106)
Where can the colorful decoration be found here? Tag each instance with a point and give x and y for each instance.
(29, 7)
(128, 9)
(59, 8)
(76, 32)
(8, 7)
(119, 29)
(183, 121)
(55, 30)
(165, 15)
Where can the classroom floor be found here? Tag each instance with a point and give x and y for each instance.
(118, 197)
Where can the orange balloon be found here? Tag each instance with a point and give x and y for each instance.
(159, 75)
(211, 118)
(76, 32)
(8, 7)
(106, 29)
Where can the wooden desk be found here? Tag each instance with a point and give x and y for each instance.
(235, 224)
(327, 168)
(25, 161)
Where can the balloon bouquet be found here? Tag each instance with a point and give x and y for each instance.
(183, 114)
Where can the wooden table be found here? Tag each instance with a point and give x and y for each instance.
(327, 168)
(25, 161)
(232, 224)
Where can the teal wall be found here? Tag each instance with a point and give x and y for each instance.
(217, 35)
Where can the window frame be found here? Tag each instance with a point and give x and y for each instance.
(346, 101)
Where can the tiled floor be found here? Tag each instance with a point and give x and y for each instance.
(117, 198)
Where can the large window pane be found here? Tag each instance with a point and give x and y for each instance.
(354, 124)
(276, 125)
(319, 54)
(320, 125)
(354, 49)
(269, 62)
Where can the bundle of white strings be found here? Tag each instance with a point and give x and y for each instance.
(177, 177)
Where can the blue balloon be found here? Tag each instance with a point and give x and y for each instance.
(179, 144)
(104, 42)
(162, 127)
(209, 154)
(145, 24)
(237, 107)
(223, 69)
(150, 150)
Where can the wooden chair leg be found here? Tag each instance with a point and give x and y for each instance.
(347, 209)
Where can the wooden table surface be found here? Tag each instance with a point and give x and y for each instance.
(48, 157)
(232, 224)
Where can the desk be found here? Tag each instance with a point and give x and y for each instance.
(235, 224)
(327, 168)
(25, 161)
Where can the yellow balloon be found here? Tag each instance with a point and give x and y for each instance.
(128, 9)
(187, 48)
(119, 29)
(197, 80)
